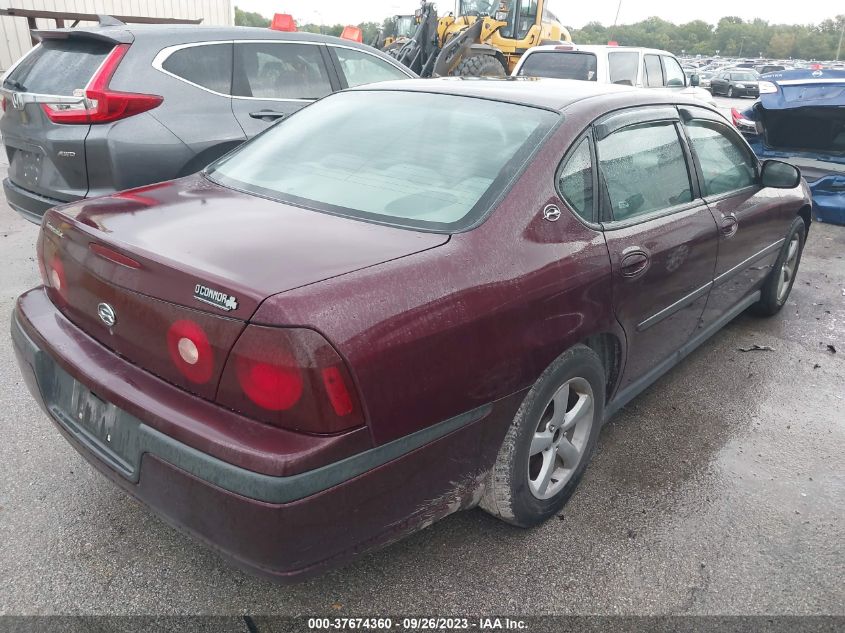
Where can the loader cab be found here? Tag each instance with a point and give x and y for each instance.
(520, 15)
(405, 25)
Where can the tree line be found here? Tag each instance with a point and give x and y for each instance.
(731, 37)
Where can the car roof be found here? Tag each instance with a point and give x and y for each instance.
(551, 94)
(595, 48)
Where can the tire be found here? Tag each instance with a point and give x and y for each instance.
(514, 489)
(480, 66)
(730, 92)
(778, 285)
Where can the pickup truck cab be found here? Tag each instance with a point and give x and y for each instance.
(623, 65)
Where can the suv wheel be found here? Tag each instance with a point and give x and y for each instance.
(550, 441)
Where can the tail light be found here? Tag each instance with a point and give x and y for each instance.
(767, 87)
(291, 378)
(101, 104)
(52, 271)
(740, 122)
(191, 351)
(4, 104)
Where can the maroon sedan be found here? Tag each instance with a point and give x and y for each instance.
(404, 300)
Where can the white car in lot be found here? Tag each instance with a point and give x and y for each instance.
(625, 65)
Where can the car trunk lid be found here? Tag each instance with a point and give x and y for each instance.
(805, 115)
(193, 250)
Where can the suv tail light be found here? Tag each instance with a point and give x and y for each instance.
(291, 378)
(102, 105)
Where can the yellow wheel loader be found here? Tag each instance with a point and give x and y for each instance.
(485, 38)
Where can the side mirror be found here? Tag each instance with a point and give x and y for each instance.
(779, 175)
(694, 80)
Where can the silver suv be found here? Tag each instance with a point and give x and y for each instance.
(91, 111)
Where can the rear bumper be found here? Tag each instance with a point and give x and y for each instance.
(30, 205)
(287, 527)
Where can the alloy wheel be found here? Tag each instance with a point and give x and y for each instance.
(787, 270)
(561, 438)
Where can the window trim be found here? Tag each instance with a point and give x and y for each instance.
(731, 133)
(610, 223)
(587, 136)
(166, 52)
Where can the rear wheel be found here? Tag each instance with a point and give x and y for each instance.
(779, 283)
(550, 441)
(480, 66)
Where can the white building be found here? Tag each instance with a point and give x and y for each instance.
(14, 31)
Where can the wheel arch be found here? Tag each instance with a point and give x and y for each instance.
(609, 348)
(806, 214)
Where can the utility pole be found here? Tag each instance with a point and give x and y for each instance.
(841, 34)
(615, 20)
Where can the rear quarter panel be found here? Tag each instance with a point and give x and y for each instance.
(473, 321)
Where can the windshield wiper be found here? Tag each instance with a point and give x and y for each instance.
(15, 84)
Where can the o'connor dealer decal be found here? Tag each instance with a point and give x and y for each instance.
(215, 298)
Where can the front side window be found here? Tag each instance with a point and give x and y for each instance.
(576, 181)
(623, 67)
(560, 65)
(362, 68)
(332, 157)
(209, 66)
(280, 71)
(653, 77)
(675, 77)
(643, 170)
(725, 164)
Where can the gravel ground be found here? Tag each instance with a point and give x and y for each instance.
(718, 491)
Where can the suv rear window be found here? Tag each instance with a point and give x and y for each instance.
(58, 67)
(332, 157)
(560, 65)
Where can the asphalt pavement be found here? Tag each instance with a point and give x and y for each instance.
(720, 490)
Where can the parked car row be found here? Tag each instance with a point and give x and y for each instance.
(409, 298)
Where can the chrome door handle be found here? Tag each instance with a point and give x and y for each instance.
(730, 225)
(634, 263)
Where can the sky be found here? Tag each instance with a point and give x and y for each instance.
(571, 13)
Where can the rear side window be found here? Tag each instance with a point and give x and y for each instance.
(560, 65)
(209, 66)
(280, 71)
(725, 164)
(576, 181)
(653, 72)
(623, 67)
(362, 68)
(643, 170)
(58, 67)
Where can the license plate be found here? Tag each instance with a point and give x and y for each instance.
(103, 426)
(27, 167)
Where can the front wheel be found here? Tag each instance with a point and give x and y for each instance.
(550, 441)
(781, 278)
(480, 66)
(730, 91)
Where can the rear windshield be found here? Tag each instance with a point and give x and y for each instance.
(58, 67)
(560, 65)
(418, 160)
